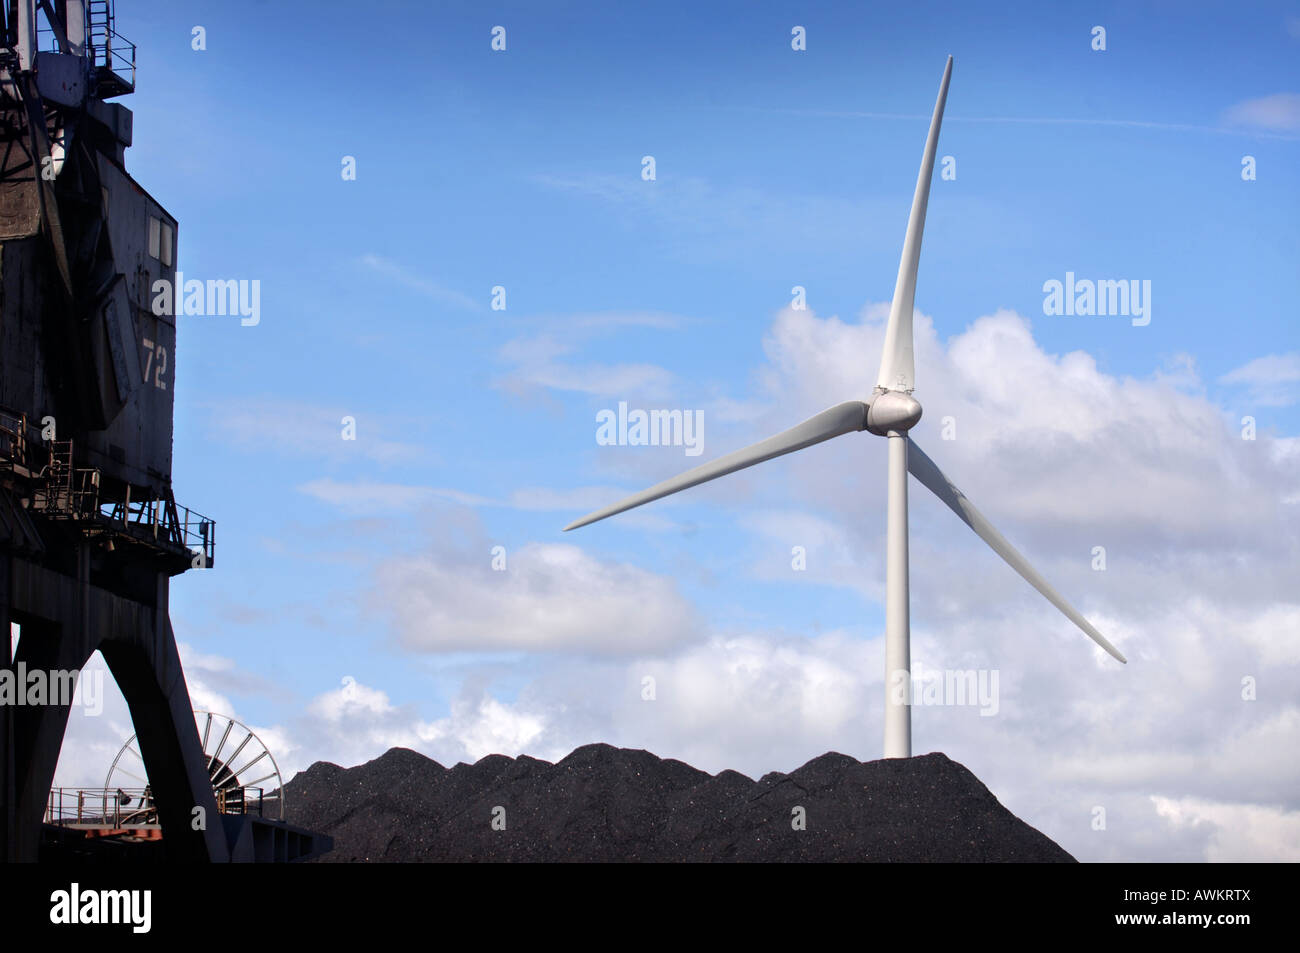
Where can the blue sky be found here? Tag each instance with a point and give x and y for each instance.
(774, 168)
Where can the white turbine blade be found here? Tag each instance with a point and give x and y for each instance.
(897, 367)
(932, 478)
(840, 419)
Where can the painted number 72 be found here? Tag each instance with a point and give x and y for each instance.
(158, 367)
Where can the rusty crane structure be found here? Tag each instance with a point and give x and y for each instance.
(90, 532)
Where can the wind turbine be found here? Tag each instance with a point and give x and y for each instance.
(891, 411)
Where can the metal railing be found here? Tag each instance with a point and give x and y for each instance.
(62, 491)
(164, 520)
(67, 492)
(107, 51)
(13, 439)
(124, 808)
(116, 808)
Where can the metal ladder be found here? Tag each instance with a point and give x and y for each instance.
(114, 67)
(99, 26)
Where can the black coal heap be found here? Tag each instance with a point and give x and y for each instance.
(616, 804)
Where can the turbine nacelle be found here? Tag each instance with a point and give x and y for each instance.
(893, 410)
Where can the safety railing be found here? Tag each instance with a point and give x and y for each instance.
(109, 51)
(110, 56)
(66, 491)
(164, 520)
(16, 437)
(106, 807)
(123, 808)
(59, 490)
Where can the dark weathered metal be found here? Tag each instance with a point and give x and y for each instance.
(90, 533)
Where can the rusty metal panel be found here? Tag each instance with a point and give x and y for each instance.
(20, 200)
(136, 446)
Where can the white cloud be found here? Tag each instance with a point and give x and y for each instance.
(298, 428)
(605, 320)
(1274, 633)
(1279, 112)
(91, 742)
(350, 701)
(356, 723)
(1236, 833)
(1271, 381)
(549, 598)
(579, 498)
(537, 363)
(369, 496)
(488, 727)
(586, 499)
(716, 703)
(829, 554)
(425, 286)
(1049, 447)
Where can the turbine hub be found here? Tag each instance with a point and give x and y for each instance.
(893, 410)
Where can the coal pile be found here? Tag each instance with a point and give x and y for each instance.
(615, 804)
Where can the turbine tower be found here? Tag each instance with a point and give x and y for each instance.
(890, 411)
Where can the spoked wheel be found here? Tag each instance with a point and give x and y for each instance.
(243, 772)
